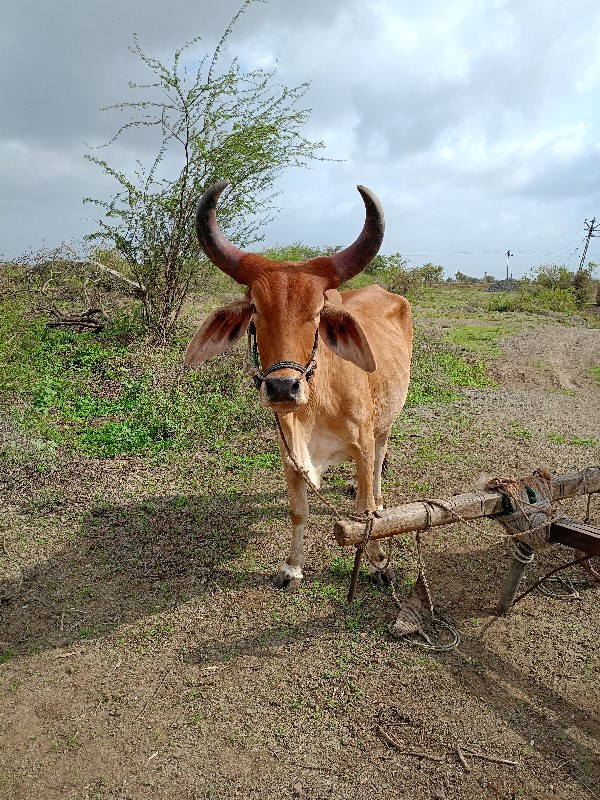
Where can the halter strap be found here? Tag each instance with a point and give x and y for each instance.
(259, 376)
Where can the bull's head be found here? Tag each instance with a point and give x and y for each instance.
(287, 302)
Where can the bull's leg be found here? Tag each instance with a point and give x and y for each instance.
(366, 463)
(380, 451)
(290, 573)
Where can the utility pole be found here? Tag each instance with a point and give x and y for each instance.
(591, 228)
(508, 255)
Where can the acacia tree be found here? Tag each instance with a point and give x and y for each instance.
(215, 122)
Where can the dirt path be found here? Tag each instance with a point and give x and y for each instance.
(147, 655)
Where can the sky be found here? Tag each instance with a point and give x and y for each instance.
(476, 122)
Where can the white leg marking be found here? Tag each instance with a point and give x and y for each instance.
(291, 571)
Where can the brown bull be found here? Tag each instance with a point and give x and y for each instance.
(360, 340)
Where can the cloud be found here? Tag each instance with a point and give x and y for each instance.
(476, 122)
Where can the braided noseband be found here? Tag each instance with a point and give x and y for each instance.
(258, 377)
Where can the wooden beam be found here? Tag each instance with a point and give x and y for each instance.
(577, 535)
(472, 505)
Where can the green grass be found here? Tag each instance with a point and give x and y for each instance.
(479, 338)
(438, 372)
(519, 432)
(6, 654)
(108, 395)
(596, 375)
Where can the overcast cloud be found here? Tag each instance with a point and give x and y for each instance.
(476, 122)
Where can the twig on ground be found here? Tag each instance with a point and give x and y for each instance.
(485, 757)
(461, 758)
(327, 770)
(154, 693)
(414, 753)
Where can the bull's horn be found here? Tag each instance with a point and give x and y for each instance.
(220, 251)
(354, 259)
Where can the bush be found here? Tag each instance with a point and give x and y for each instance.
(401, 278)
(503, 301)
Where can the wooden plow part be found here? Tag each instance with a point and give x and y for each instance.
(421, 516)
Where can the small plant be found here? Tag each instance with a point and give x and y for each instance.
(519, 432)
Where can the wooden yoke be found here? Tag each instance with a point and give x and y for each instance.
(421, 516)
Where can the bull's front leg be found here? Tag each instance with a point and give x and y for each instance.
(290, 573)
(381, 444)
(366, 459)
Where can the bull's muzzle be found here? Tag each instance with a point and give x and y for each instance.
(283, 390)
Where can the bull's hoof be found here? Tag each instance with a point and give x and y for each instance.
(383, 577)
(283, 580)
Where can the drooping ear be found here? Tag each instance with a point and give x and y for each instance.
(342, 333)
(219, 332)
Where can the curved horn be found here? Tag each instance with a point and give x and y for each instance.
(220, 251)
(354, 259)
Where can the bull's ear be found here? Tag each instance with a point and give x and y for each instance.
(342, 333)
(219, 332)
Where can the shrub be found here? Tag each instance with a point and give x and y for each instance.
(503, 301)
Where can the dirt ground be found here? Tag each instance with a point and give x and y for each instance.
(146, 653)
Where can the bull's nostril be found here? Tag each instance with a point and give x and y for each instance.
(282, 390)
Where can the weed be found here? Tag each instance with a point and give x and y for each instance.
(88, 631)
(421, 487)
(557, 438)
(341, 567)
(66, 742)
(519, 432)
(584, 442)
(6, 655)
(596, 375)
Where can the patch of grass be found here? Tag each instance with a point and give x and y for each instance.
(519, 432)
(584, 442)
(421, 487)
(341, 567)
(6, 654)
(108, 394)
(596, 375)
(479, 338)
(437, 372)
(66, 743)
(88, 632)
(44, 501)
(557, 438)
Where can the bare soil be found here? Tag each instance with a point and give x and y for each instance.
(147, 654)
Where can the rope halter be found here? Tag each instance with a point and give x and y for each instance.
(258, 376)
